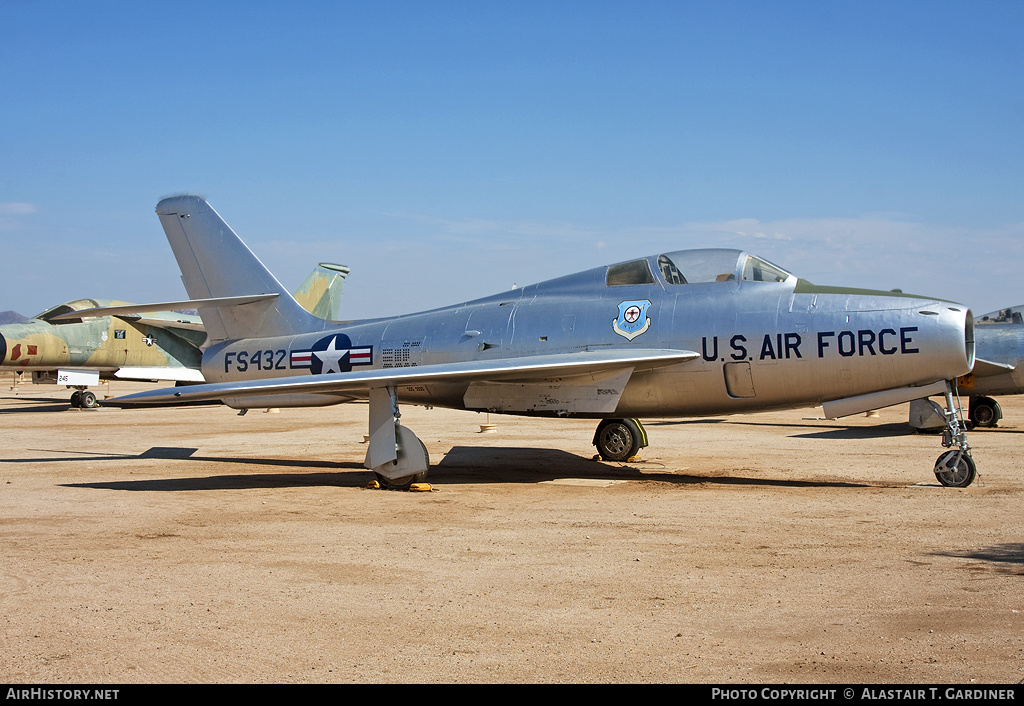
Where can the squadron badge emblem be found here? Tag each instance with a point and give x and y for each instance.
(632, 319)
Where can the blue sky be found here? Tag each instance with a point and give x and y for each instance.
(447, 150)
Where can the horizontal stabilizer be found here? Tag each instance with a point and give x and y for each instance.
(521, 370)
(127, 309)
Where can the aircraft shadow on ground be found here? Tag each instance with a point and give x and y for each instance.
(44, 404)
(834, 431)
(847, 432)
(837, 430)
(231, 482)
(462, 464)
(995, 430)
(469, 464)
(998, 554)
(335, 473)
(681, 422)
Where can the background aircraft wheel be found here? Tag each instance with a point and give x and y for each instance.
(401, 483)
(76, 398)
(88, 400)
(618, 439)
(953, 473)
(985, 412)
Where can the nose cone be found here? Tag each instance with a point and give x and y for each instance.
(939, 334)
(917, 340)
(949, 329)
(3, 349)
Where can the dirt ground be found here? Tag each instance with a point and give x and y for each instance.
(196, 545)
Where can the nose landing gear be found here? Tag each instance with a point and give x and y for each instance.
(955, 468)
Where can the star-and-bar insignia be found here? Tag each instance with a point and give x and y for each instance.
(333, 354)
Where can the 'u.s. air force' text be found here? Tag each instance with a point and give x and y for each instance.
(777, 346)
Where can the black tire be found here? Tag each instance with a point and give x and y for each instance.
(985, 412)
(401, 483)
(618, 439)
(76, 398)
(88, 400)
(955, 469)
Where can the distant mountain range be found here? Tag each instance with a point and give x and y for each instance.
(12, 317)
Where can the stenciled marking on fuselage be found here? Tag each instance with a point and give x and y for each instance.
(785, 346)
(241, 361)
(331, 354)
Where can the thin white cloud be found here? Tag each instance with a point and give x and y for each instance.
(12, 211)
(16, 208)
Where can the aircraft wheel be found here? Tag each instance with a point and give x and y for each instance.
(76, 398)
(618, 439)
(88, 400)
(955, 473)
(401, 483)
(985, 412)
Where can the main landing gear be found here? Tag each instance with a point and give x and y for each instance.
(395, 454)
(83, 399)
(985, 412)
(955, 468)
(619, 439)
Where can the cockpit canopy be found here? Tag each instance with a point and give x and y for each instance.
(695, 266)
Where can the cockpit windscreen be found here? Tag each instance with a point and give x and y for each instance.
(693, 266)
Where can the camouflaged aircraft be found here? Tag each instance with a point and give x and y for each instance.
(684, 333)
(66, 347)
(999, 345)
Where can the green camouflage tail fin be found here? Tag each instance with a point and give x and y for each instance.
(320, 294)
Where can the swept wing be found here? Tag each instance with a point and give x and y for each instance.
(581, 371)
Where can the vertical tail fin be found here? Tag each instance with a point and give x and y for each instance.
(320, 294)
(214, 263)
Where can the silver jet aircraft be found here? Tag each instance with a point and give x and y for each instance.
(688, 333)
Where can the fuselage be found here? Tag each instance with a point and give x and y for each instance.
(765, 338)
